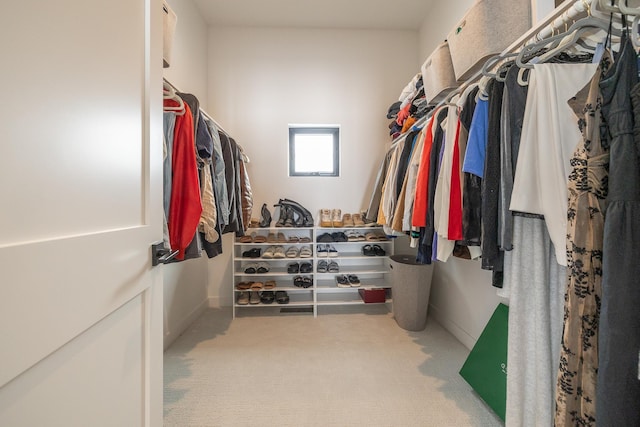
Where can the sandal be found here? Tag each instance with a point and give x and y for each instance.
(243, 286)
(292, 252)
(263, 267)
(256, 286)
(357, 220)
(322, 266)
(377, 250)
(307, 282)
(269, 284)
(259, 239)
(293, 239)
(281, 238)
(282, 297)
(305, 252)
(367, 250)
(271, 238)
(269, 252)
(251, 253)
(305, 239)
(297, 281)
(293, 268)
(267, 297)
(251, 268)
(333, 267)
(342, 281)
(245, 239)
(243, 298)
(353, 280)
(306, 267)
(279, 252)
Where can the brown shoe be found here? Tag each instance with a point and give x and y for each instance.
(347, 220)
(336, 218)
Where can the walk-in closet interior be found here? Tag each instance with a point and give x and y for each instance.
(490, 143)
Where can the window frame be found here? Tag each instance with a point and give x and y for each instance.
(333, 130)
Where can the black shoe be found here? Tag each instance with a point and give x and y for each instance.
(307, 218)
(284, 212)
(282, 297)
(267, 297)
(306, 267)
(252, 253)
(265, 217)
(293, 268)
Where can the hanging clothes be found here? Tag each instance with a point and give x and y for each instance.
(492, 256)
(547, 146)
(578, 370)
(537, 281)
(618, 387)
(185, 206)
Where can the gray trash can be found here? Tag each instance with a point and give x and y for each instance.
(410, 288)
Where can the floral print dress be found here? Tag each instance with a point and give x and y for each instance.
(588, 184)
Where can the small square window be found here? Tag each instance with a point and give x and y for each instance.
(314, 151)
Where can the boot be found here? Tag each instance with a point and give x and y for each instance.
(283, 215)
(265, 217)
(307, 217)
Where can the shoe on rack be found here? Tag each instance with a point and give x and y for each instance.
(293, 268)
(325, 238)
(254, 298)
(322, 266)
(336, 218)
(243, 298)
(322, 251)
(292, 252)
(306, 219)
(243, 286)
(252, 253)
(325, 218)
(282, 216)
(279, 252)
(333, 267)
(353, 280)
(347, 220)
(305, 252)
(331, 251)
(297, 281)
(307, 282)
(269, 252)
(357, 220)
(265, 216)
(263, 267)
(267, 297)
(282, 297)
(251, 268)
(342, 281)
(339, 237)
(306, 267)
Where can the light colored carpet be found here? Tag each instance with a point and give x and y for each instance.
(348, 367)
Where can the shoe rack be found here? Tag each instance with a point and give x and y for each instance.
(355, 257)
(371, 268)
(298, 241)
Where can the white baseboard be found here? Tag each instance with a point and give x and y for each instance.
(182, 325)
(215, 302)
(455, 330)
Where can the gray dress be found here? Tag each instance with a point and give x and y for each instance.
(618, 386)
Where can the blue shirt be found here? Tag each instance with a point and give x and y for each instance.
(477, 143)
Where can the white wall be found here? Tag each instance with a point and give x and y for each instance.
(185, 283)
(443, 17)
(263, 79)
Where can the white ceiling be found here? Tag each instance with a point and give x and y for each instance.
(352, 14)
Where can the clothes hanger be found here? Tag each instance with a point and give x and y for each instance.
(634, 34)
(609, 5)
(168, 92)
(491, 62)
(567, 39)
(624, 7)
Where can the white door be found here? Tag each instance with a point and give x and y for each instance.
(80, 205)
